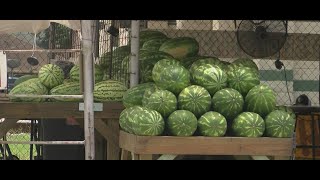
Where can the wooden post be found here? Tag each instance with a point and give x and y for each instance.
(87, 33)
(134, 60)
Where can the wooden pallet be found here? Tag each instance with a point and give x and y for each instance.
(145, 147)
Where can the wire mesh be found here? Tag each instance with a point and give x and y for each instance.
(300, 53)
(19, 46)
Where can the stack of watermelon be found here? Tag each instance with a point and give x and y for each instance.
(199, 95)
(51, 80)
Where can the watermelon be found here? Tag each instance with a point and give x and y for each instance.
(147, 122)
(212, 124)
(147, 35)
(173, 78)
(141, 121)
(24, 78)
(280, 124)
(180, 47)
(243, 79)
(109, 90)
(75, 73)
(29, 87)
(228, 102)
(261, 99)
(248, 124)
(209, 60)
(287, 109)
(163, 101)
(116, 56)
(134, 95)
(127, 118)
(195, 99)
(154, 44)
(210, 77)
(182, 123)
(246, 62)
(160, 65)
(51, 75)
(188, 61)
(147, 60)
(72, 88)
(148, 92)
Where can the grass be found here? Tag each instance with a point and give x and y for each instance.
(22, 151)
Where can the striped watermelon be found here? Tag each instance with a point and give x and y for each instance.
(280, 124)
(29, 87)
(210, 77)
(195, 99)
(147, 35)
(154, 44)
(188, 61)
(147, 60)
(173, 78)
(286, 109)
(24, 78)
(134, 95)
(228, 102)
(147, 122)
(141, 121)
(208, 60)
(72, 88)
(182, 123)
(148, 92)
(51, 75)
(115, 57)
(243, 79)
(248, 124)
(246, 62)
(109, 91)
(261, 99)
(127, 118)
(180, 47)
(75, 73)
(163, 101)
(160, 65)
(212, 124)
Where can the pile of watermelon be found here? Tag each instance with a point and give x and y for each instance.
(50, 80)
(182, 93)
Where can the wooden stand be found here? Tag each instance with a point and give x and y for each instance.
(106, 121)
(144, 147)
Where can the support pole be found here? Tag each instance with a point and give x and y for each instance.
(134, 60)
(87, 45)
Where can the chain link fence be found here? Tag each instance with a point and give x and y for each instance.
(18, 47)
(300, 53)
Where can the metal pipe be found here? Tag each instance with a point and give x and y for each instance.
(134, 59)
(46, 96)
(44, 142)
(87, 45)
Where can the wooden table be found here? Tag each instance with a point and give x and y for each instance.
(106, 121)
(144, 147)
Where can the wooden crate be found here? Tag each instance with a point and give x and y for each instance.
(143, 147)
(304, 136)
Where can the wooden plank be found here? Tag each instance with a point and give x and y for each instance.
(53, 110)
(106, 131)
(205, 145)
(6, 125)
(145, 156)
(113, 149)
(125, 155)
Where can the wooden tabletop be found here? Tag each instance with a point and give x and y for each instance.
(52, 110)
